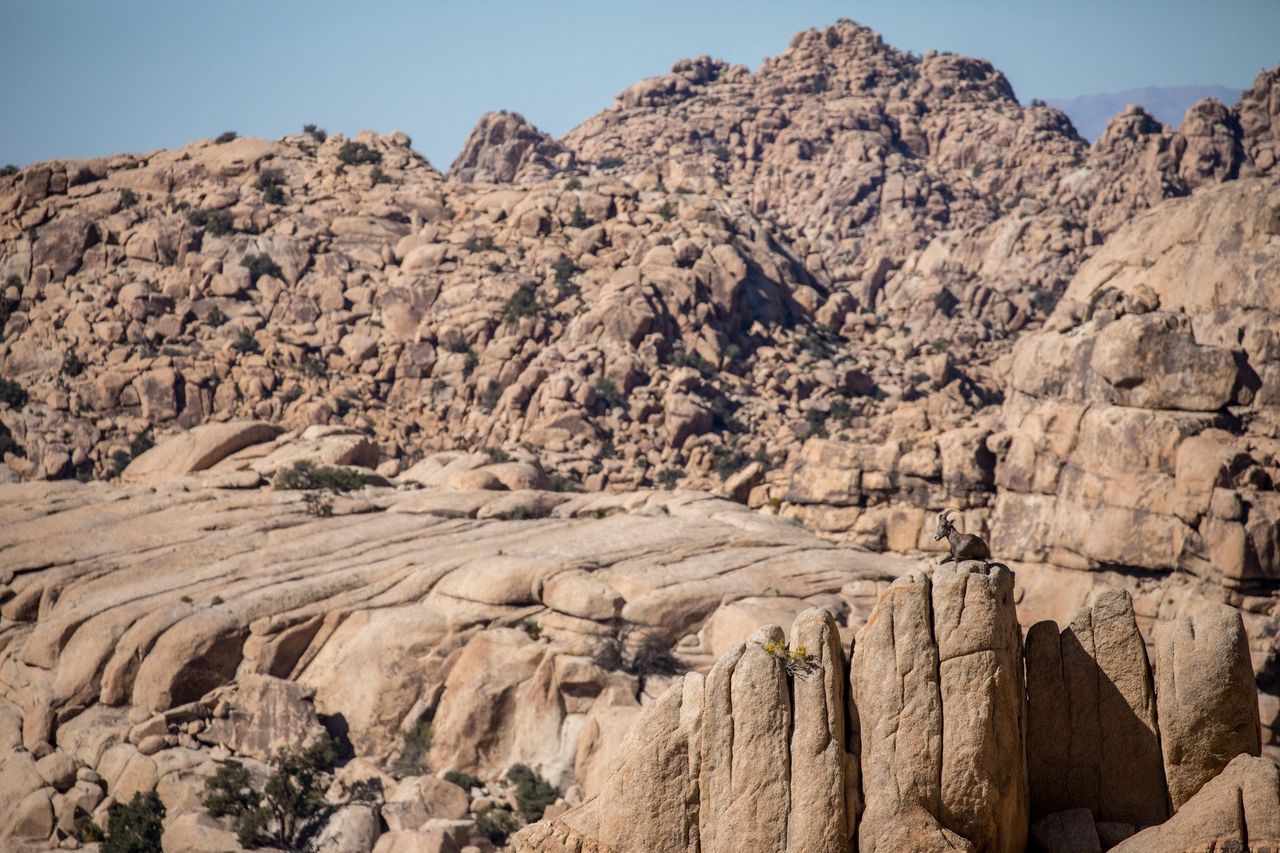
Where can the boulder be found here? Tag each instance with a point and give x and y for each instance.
(196, 449)
(1070, 831)
(1239, 809)
(265, 715)
(1206, 697)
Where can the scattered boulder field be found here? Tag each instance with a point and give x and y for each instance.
(471, 501)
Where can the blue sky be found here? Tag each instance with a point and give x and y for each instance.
(91, 77)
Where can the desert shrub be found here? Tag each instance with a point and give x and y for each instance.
(414, 746)
(271, 182)
(523, 303)
(608, 394)
(533, 793)
(478, 244)
(565, 269)
(225, 137)
(465, 781)
(1095, 299)
(720, 153)
(533, 629)
(610, 162)
(945, 301)
(8, 444)
(314, 366)
(574, 183)
(578, 219)
(637, 652)
(833, 38)
(318, 504)
(497, 454)
(138, 445)
(668, 477)
(306, 475)
(292, 395)
(724, 411)
(136, 826)
(216, 222)
(12, 394)
(488, 399)
(290, 808)
(378, 176)
(680, 358)
(667, 211)
(1037, 102)
(260, 265)
(726, 462)
(497, 824)
(128, 198)
(245, 342)
(470, 363)
(8, 170)
(817, 421)
(357, 153)
(215, 317)
(71, 363)
(316, 133)
(797, 661)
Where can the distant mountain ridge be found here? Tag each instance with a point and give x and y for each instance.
(1090, 113)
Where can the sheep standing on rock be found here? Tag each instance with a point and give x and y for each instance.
(964, 546)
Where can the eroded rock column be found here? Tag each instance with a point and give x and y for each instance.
(1206, 696)
(1094, 693)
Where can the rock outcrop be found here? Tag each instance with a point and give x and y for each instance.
(939, 723)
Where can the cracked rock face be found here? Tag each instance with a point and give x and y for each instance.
(939, 723)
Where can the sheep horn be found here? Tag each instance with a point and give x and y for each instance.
(946, 512)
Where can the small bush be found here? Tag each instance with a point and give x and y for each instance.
(817, 421)
(290, 809)
(533, 629)
(720, 153)
(140, 444)
(489, 399)
(260, 265)
(135, 827)
(317, 504)
(578, 219)
(668, 477)
(128, 198)
(245, 342)
(71, 363)
(315, 366)
(565, 269)
(292, 395)
(607, 163)
(12, 394)
(945, 301)
(574, 183)
(414, 746)
(216, 222)
(637, 652)
(8, 170)
(726, 462)
(225, 137)
(497, 824)
(523, 303)
(680, 358)
(497, 454)
(797, 661)
(357, 153)
(215, 317)
(8, 444)
(465, 781)
(306, 475)
(271, 182)
(316, 133)
(378, 176)
(533, 793)
(479, 244)
(667, 211)
(470, 363)
(1036, 102)
(608, 394)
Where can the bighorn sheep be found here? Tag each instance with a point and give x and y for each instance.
(964, 546)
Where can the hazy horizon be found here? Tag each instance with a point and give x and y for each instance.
(89, 79)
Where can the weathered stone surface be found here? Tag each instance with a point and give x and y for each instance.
(264, 715)
(1112, 763)
(1206, 697)
(197, 449)
(1070, 831)
(1240, 807)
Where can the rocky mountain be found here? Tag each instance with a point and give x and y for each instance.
(1168, 104)
(846, 291)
